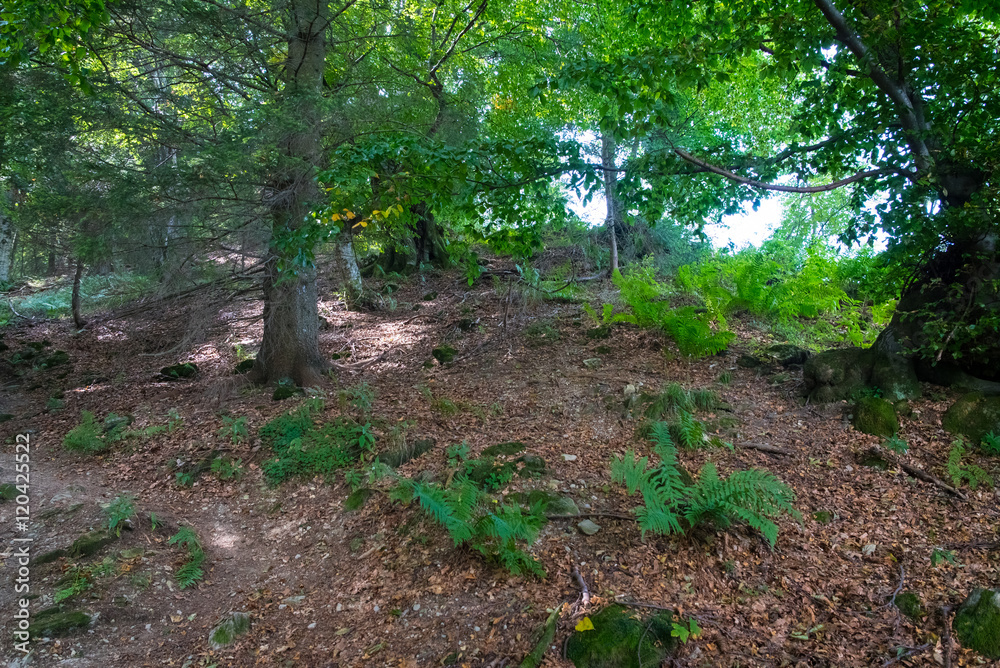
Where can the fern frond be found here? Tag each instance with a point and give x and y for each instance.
(630, 470)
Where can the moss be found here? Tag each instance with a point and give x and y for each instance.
(8, 492)
(49, 557)
(787, 354)
(875, 416)
(444, 354)
(531, 465)
(358, 498)
(90, 543)
(973, 416)
(177, 371)
(57, 358)
(54, 622)
(896, 377)
(231, 627)
(399, 456)
(977, 622)
(283, 392)
(909, 604)
(509, 448)
(615, 640)
(823, 516)
(601, 332)
(873, 459)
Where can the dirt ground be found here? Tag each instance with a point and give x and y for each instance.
(382, 586)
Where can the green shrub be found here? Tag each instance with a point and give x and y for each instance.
(225, 468)
(752, 496)
(991, 444)
(86, 436)
(120, 511)
(234, 429)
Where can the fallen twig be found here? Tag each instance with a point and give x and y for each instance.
(910, 651)
(902, 579)
(584, 602)
(534, 659)
(14, 311)
(927, 477)
(973, 546)
(946, 635)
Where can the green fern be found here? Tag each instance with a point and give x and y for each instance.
(190, 572)
(959, 472)
(688, 431)
(754, 497)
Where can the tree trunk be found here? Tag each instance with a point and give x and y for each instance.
(290, 344)
(8, 237)
(347, 263)
(77, 279)
(424, 244)
(614, 215)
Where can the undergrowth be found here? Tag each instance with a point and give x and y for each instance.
(959, 472)
(753, 496)
(190, 571)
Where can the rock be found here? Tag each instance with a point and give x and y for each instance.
(8, 492)
(837, 374)
(895, 376)
(569, 458)
(787, 354)
(592, 363)
(444, 354)
(973, 416)
(619, 637)
(588, 528)
(54, 622)
(229, 628)
(562, 505)
(178, 371)
(430, 296)
(245, 366)
(749, 361)
(909, 604)
(903, 408)
(283, 392)
(90, 543)
(977, 622)
(531, 465)
(508, 448)
(875, 416)
(56, 358)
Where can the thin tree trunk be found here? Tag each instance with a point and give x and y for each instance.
(8, 237)
(350, 273)
(613, 220)
(290, 345)
(77, 279)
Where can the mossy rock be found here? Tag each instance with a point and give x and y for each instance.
(973, 416)
(489, 474)
(903, 408)
(54, 622)
(89, 544)
(8, 492)
(531, 465)
(873, 459)
(823, 516)
(49, 557)
(4, 417)
(909, 604)
(399, 456)
(787, 354)
(444, 354)
(179, 371)
(229, 628)
(358, 499)
(509, 448)
(749, 361)
(245, 366)
(429, 296)
(615, 640)
(895, 376)
(837, 374)
(56, 358)
(977, 623)
(875, 416)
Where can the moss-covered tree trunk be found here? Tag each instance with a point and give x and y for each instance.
(290, 345)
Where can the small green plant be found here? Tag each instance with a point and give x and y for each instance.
(234, 429)
(752, 496)
(225, 468)
(959, 472)
(120, 512)
(688, 431)
(76, 581)
(86, 436)
(186, 478)
(991, 444)
(442, 405)
(174, 420)
(154, 521)
(940, 556)
(726, 377)
(360, 397)
(190, 572)
(685, 630)
(496, 409)
(897, 444)
(459, 452)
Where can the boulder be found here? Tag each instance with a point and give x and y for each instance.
(54, 622)
(178, 371)
(837, 374)
(619, 637)
(787, 354)
(895, 376)
(875, 416)
(977, 623)
(973, 416)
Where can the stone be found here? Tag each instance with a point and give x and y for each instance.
(909, 604)
(90, 543)
(895, 376)
(837, 374)
(977, 623)
(875, 416)
(973, 416)
(245, 366)
(569, 458)
(620, 636)
(531, 465)
(444, 354)
(562, 505)
(283, 392)
(178, 371)
(588, 527)
(749, 361)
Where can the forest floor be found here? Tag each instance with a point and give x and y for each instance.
(383, 585)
